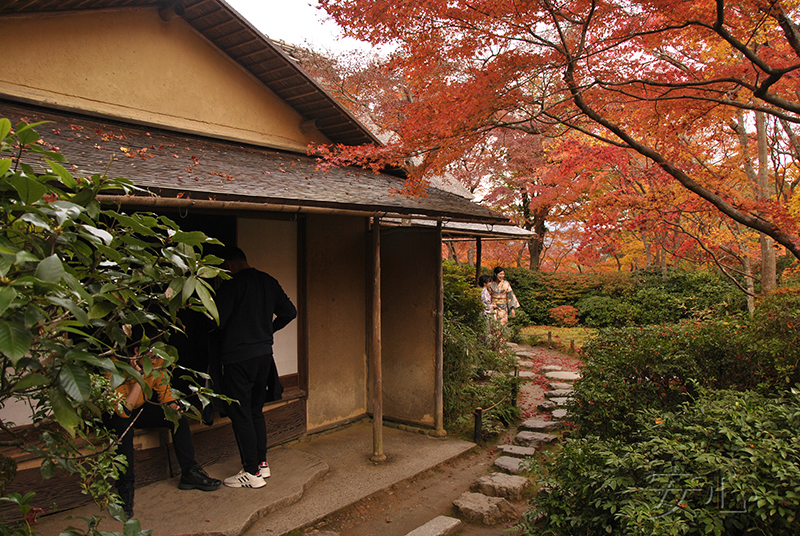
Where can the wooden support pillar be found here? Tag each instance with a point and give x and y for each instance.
(375, 347)
(477, 259)
(438, 415)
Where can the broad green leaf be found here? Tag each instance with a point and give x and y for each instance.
(188, 288)
(28, 189)
(176, 259)
(208, 301)
(193, 238)
(31, 380)
(50, 270)
(85, 357)
(175, 287)
(5, 165)
(7, 296)
(105, 236)
(65, 211)
(134, 223)
(79, 314)
(75, 381)
(63, 411)
(83, 197)
(100, 309)
(5, 128)
(15, 340)
(5, 264)
(36, 219)
(77, 287)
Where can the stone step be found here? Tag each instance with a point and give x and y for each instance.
(509, 464)
(540, 425)
(515, 451)
(438, 526)
(479, 508)
(558, 393)
(528, 354)
(563, 375)
(509, 487)
(555, 386)
(532, 439)
(527, 374)
(547, 405)
(559, 414)
(551, 368)
(560, 400)
(524, 364)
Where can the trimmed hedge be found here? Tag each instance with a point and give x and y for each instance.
(659, 367)
(727, 463)
(626, 299)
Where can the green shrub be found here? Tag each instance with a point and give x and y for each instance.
(727, 463)
(471, 353)
(626, 299)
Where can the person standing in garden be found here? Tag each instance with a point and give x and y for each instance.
(252, 307)
(504, 302)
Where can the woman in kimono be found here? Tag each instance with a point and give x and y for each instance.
(504, 303)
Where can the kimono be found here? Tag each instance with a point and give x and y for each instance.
(486, 299)
(503, 300)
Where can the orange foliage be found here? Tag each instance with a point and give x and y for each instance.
(612, 119)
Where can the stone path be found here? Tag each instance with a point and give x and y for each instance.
(489, 500)
(497, 499)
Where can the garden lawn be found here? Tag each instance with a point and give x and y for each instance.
(537, 335)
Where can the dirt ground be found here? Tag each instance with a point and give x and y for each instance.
(412, 503)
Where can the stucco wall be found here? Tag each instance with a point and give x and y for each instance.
(408, 293)
(337, 367)
(271, 246)
(130, 64)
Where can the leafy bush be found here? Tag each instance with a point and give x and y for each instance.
(727, 463)
(77, 282)
(476, 361)
(564, 315)
(626, 299)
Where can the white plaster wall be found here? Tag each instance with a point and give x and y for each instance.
(271, 246)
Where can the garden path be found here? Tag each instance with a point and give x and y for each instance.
(411, 504)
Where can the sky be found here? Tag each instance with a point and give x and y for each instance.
(297, 22)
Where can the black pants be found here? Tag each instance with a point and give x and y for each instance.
(150, 416)
(247, 382)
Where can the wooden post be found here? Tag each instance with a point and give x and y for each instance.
(477, 259)
(549, 339)
(438, 391)
(375, 347)
(478, 431)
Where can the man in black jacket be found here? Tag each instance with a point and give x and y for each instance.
(252, 306)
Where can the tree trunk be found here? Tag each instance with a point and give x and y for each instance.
(536, 244)
(451, 248)
(768, 262)
(471, 254)
(748, 278)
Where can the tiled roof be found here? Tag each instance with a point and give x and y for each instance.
(173, 165)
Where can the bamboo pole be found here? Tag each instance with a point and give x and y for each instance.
(438, 415)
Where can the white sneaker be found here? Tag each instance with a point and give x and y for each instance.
(243, 479)
(263, 470)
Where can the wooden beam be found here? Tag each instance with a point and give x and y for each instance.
(438, 390)
(477, 259)
(375, 347)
